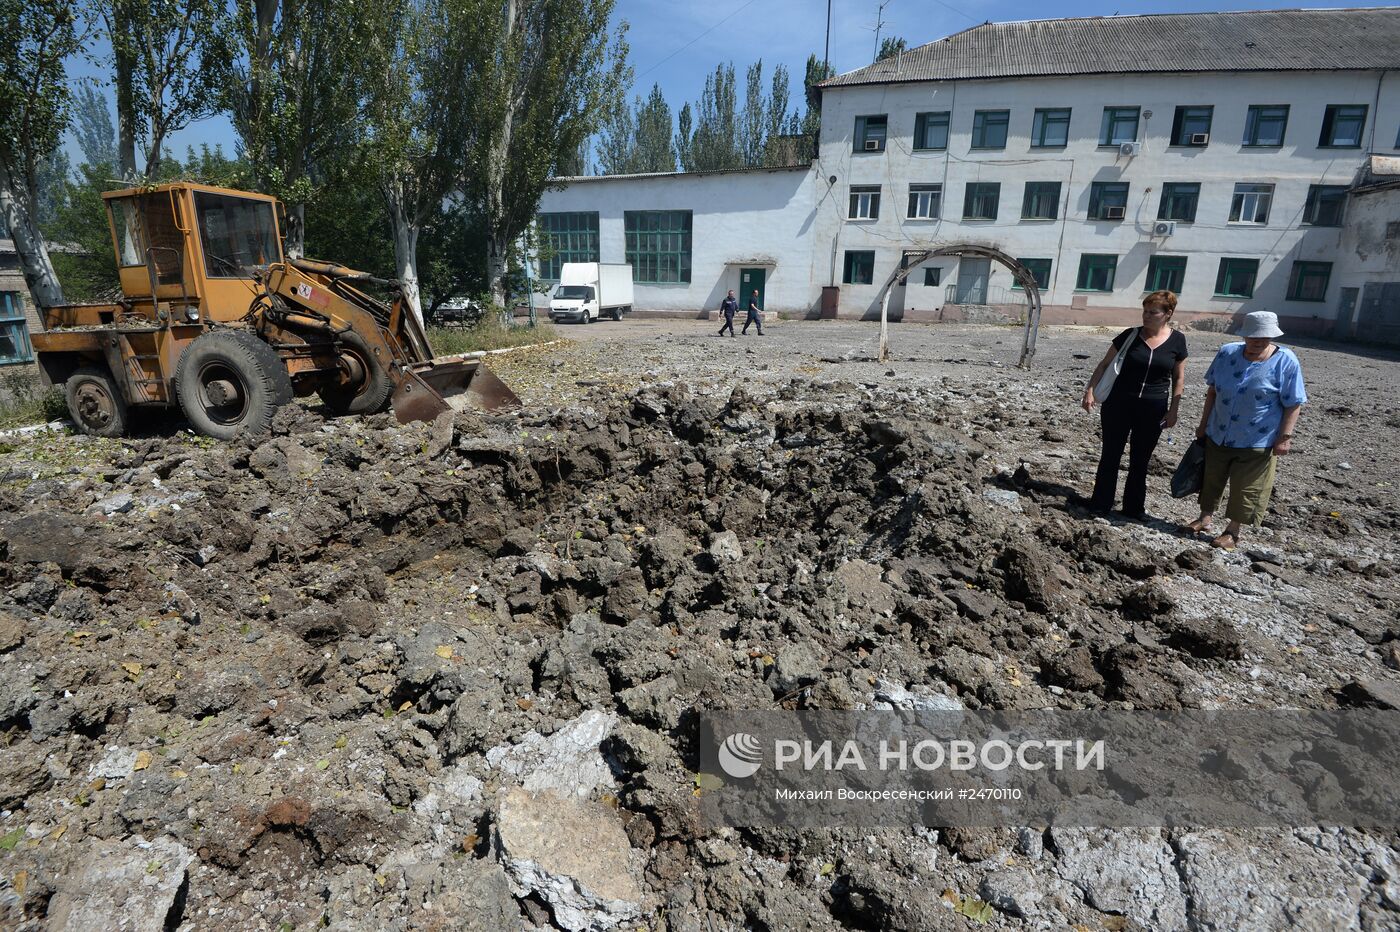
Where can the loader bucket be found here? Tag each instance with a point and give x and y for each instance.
(430, 388)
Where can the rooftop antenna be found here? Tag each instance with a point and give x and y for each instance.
(879, 24)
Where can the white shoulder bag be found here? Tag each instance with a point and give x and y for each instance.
(1110, 375)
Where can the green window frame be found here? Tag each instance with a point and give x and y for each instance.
(1266, 125)
(872, 128)
(859, 268)
(1120, 125)
(1191, 121)
(658, 245)
(1106, 194)
(931, 131)
(989, 128)
(15, 348)
(1041, 201)
(1325, 205)
(1040, 268)
(1343, 125)
(1050, 128)
(1179, 201)
(1308, 281)
(1236, 278)
(1096, 272)
(1166, 273)
(572, 236)
(981, 200)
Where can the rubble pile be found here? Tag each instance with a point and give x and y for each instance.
(445, 675)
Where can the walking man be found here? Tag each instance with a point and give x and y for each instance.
(755, 315)
(729, 307)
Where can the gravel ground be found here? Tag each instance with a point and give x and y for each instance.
(366, 676)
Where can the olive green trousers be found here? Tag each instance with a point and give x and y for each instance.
(1250, 475)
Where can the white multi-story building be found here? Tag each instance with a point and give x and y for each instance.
(1212, 154)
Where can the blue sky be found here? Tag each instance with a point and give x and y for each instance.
(678, 44)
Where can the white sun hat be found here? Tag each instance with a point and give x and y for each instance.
(1260, 324)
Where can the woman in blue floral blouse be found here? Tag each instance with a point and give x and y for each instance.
(1251, 407)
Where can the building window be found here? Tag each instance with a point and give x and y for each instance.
(925, 201)
(1308, 281)
(1120, 124)
(865, 202)
(1050, 129)
(1096, 272)
(1108, 200)
(1179, 200)
(933, 275)
(1042, 201)
(931, 130)
(571, 237)
(989, 129)
(658, 245)
(1265, 125)
(1040, 268)
(980, 200)
(1236, 278)
(871, 132)
(1251, 203)
(1191, 126)
(14, 330)
(1342, 126)
(1324, 205)
(1166, 273)
(860, 267)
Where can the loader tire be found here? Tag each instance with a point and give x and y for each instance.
(229, 383)
(95, 403)
(374, 388)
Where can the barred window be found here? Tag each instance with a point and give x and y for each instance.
(569, 237)
(658, 245)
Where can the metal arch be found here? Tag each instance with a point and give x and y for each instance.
(1023, 276)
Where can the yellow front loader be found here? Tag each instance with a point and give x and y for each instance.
(215, 319)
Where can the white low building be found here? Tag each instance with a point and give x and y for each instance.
(1212, 153)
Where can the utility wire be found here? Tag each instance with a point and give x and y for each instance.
(695, 40)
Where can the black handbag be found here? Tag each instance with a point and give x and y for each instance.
(1191, 471)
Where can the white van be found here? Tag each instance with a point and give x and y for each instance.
(589, 290)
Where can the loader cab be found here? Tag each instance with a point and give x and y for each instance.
(194, 245)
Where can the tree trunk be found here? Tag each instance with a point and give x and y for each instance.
(34, 260)
(124, 62)
(496, 247)
(405, 250)
(295, 234)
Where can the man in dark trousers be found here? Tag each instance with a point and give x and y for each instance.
(729, 307)
(755, 315)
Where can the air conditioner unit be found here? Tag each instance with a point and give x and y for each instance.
(872, 145)
(1164, 228)
(1113, 213)
(1129, 148)
(1200, 139)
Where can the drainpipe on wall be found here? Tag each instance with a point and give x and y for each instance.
(1376, 112)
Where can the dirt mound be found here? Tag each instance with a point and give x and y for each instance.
(331, 671)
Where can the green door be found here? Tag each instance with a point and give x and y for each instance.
(749, 279)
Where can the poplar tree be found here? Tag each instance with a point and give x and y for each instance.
(35, 108)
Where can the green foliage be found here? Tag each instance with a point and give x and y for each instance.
(23, 402)
(638, 139)
(724, 136)
(92, 126)
(165, 56)
(86, 263)
(891, 46)
(488, 335)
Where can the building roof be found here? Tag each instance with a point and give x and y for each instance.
(572, 179)
(1266, 40)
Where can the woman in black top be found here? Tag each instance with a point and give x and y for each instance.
(1137, 410)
